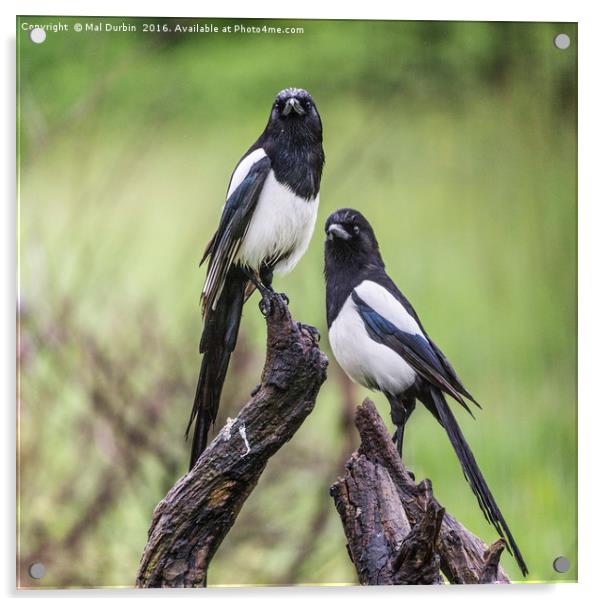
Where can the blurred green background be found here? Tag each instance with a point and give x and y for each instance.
(457, 140)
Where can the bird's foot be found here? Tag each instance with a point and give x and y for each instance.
(265, 290)
(271, 301)
(284, 297)
(313, 332)
(266, 304)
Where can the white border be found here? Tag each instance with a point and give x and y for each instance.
(509, 10)
(590, 200)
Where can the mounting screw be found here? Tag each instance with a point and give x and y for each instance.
(561, 564)
(562, 41)
(37, 35)
(37, 570)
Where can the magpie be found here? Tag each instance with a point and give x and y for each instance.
(379, 341)
(265, 227)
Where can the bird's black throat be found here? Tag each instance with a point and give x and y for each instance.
(297, 157)
(298, 166)
(344, 269)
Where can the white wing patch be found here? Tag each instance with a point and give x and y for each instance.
(242, 170)
(365, 361)
(384, 303)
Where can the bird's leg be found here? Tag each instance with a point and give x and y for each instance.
(398, 438)
(400, 413)
(266, 292)
(266, 275)
(398, 441)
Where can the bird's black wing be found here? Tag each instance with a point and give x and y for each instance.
(415, 349)
(233, 226)
(449, 371)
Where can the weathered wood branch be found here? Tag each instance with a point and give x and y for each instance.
(189, 524)
(396, 531)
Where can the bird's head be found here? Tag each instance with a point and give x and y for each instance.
(294, 110)
(350, 239)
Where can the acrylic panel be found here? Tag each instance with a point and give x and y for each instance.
(454, 146)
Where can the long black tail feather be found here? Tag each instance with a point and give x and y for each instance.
(473, 474)
(220, 332)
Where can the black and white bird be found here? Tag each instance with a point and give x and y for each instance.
(265, 227)
(379, 341)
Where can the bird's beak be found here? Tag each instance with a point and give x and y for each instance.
(293, 105)
(338, 231)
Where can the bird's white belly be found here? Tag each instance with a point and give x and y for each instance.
(365, 361)
(282, 225)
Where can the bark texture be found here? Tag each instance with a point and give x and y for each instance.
(189, 524)
(397, 533)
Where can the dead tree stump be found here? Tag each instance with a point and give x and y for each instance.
(397, 533)
(189, 524)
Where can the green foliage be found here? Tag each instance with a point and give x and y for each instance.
(457, 140)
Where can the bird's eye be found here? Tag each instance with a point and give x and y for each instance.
(307, 104)
(356, 230)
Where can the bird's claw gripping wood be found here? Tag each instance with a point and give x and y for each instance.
(271, 302)
(265, 306)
